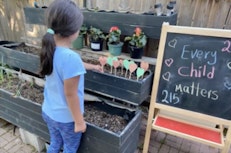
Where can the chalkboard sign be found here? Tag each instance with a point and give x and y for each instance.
(196, 74)
(192, 86)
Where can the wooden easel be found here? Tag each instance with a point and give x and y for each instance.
(183, 122)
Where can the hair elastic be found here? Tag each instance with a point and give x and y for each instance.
(50, 31)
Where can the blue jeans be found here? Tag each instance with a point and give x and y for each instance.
(62, 135)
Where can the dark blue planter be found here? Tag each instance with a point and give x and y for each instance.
(135, 52)
(96, 45)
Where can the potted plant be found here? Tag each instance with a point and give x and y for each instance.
(136, 43)
(114, 43)
(78, 43)
(96, 39)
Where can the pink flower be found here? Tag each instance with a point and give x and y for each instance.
(138, 31)
(114, 28)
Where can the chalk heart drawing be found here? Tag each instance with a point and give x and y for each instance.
(227, 85)
(172, 43)
(166, 76)
(229, 65)
(168, 62)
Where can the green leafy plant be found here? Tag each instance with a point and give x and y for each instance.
(96, 34)
(83, 30)
(114, 35)
(138, 39)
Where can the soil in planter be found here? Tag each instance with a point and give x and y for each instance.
(114, 119)
(25, 48)
(25, 89)
(107, 69)
(103, 117)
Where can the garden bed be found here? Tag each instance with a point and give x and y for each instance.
(25, 60)
(116, 86)
(109, 129)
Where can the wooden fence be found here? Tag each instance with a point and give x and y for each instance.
(196, 13)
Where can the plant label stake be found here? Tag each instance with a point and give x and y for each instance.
(132, 68)
(121, 64)
(126, 65)
(139, 72)
(116, 64)
(144, 65)
(102, 61)
(110, 62)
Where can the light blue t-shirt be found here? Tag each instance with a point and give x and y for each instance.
(66, 64)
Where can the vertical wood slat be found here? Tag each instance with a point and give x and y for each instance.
(185, 14)
(219, 13)
(211, 14)
(227, 24)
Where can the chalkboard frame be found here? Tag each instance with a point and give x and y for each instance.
(166, 29)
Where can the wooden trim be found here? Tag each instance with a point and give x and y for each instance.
(187, 136)
(192, 114)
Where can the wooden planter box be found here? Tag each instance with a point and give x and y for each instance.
(27, 115)
(23, 113)
(131, 91)
(150, 24)
(99, 140)
(34, 15)
(4, 42)
(18, 59)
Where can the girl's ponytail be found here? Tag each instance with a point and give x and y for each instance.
(47, 53)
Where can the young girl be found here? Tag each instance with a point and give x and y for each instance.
(63, 105)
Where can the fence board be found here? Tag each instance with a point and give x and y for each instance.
(227, 24)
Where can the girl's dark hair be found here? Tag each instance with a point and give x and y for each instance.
(65, 19)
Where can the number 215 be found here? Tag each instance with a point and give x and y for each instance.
(170, 97)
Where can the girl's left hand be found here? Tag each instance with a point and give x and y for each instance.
(98, 68)
(80, 127)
